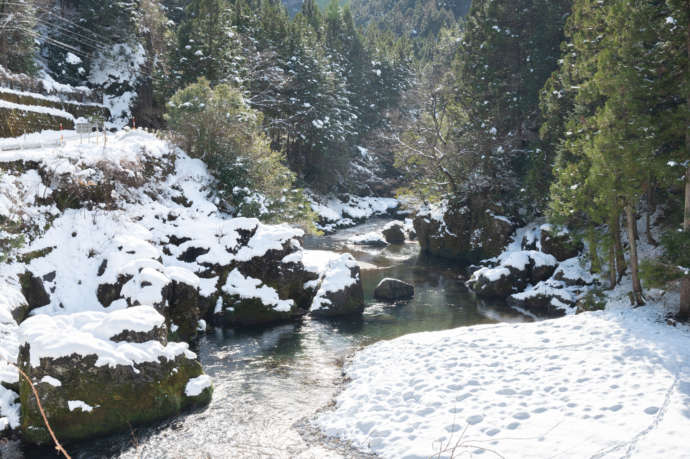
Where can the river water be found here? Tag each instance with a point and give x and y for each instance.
(268, 382)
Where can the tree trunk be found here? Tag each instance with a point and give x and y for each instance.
(593, 252)
(637, 287)
(651, 208)
(684, 311)
(618, 246)
(612, 267)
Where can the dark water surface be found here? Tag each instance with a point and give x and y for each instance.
(268, 381)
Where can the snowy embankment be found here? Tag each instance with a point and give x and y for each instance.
(335, 213)
(601, 384)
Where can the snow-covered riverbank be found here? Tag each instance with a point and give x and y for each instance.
(612, 383)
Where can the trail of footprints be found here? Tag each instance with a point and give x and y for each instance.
(486, 388)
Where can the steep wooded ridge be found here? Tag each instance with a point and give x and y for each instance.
(409, 17)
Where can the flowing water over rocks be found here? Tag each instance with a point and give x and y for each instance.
(268, 381)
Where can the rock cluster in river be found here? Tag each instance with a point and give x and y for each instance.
(129, 227)
(467, 230)
(537, 278)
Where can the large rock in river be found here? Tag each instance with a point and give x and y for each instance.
(469, 230)
(393, 289)
(496, 282)
(339, 284)
(97, 373)
(394, 232)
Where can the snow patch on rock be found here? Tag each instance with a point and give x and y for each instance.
(196, 386)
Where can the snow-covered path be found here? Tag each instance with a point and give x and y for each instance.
(602, 384)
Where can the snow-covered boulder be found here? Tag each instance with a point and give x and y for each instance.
(265, 281)
(571, 273)
(492, 282)
(523, 267)
(545, 299)
(559, 242)
(394, 232)
(529, 266)
(469, 230)
(339, 284)
(393, 289)
(98, 373)
(371, 239)
(543, 266)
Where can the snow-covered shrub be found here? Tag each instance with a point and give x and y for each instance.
(217, 126)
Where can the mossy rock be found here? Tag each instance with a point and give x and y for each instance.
(119, 396)
(183, 312)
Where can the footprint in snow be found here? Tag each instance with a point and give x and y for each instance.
(521, 415)
(506, 391)
(476, 419)
(453, 428)
(424, 412)
(365, 427)
(652, 410)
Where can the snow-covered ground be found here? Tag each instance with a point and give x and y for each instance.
(612, 383)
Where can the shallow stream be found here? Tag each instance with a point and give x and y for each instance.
(268, 381)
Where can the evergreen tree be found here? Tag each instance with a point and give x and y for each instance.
(204, 43)
(18, 35)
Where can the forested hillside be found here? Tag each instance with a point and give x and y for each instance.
(319, 83)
